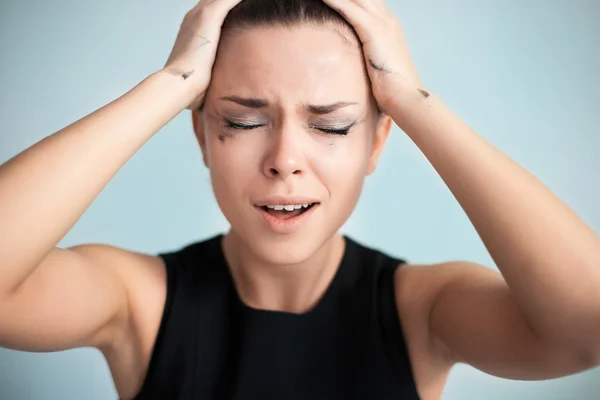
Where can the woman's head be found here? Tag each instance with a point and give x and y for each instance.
(289, 113)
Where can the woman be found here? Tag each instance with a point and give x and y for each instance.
(291, 115)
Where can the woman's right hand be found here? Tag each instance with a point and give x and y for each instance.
(195, 48)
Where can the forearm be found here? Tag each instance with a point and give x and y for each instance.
(45, 189)
(548, 256)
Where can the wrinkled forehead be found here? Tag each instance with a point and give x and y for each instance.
(306, 63)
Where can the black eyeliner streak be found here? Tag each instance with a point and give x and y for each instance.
(222, 138)
(424, 93)
(187, 74)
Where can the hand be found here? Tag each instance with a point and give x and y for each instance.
(195, 48)
(388, 60)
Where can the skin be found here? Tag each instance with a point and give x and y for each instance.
(525, 322)
(289, 152)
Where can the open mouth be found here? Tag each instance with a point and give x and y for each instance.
(287, 212)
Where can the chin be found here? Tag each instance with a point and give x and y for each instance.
(286, 249)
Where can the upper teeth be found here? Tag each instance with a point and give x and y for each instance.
(289, 207)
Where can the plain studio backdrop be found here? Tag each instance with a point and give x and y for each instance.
(524, 74)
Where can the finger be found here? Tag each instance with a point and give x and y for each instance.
(368, 5)
(228, 4)
(377, 8)
(220, 7)
(380, 4)
(351, 11)
(210, 14)
(206, 2)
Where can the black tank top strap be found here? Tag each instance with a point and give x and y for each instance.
(381, 332)
(198, 292)
(391, 324)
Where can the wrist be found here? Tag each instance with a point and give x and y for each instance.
(180, 86)
(408, 101)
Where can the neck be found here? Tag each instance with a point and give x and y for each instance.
(295, 288)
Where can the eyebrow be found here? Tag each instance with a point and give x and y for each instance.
(312, 108)
(327, 108)
(247, 102)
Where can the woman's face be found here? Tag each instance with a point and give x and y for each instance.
(289, 116)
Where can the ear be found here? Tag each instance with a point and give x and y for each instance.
(382, 131)
(198, 123)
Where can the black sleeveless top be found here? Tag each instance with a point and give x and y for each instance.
(210, 345)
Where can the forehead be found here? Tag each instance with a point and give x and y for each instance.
(319, 64)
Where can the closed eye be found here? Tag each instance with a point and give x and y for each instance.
(328, 130)
(235, 125)
(333, 131)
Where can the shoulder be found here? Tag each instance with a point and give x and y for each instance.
(142, 276)
(417, 288)
(135, 271)
(148, 281)
(131, 343)
(127, 265)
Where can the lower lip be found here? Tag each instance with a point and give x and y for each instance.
(289, 225)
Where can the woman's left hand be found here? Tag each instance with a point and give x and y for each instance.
(388, 60)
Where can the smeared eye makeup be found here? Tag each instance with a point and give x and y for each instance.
(330, 130)
(240, 126)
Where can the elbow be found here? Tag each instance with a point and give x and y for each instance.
(590, 359)
(580, 349)
(593, 348)
(593, 355)
(588, 355)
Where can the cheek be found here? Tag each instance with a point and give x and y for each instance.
(232, 162)
(344, 167)
(347, 155)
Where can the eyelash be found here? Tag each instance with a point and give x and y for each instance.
(329, 131)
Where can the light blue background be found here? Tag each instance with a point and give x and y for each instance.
(525, 74)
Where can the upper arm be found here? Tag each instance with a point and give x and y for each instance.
(472, 317)
(76, 297)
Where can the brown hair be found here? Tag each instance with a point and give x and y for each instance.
(285, 13)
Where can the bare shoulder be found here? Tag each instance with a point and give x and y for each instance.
(75, 297)
(416, 290)
(129, 265)
(464, 312)
(147, 288)
(144, 277)
(419, 287)
(141, 273)
(144, 280)
(90, 295)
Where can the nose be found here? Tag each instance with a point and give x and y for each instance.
(284, 157)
